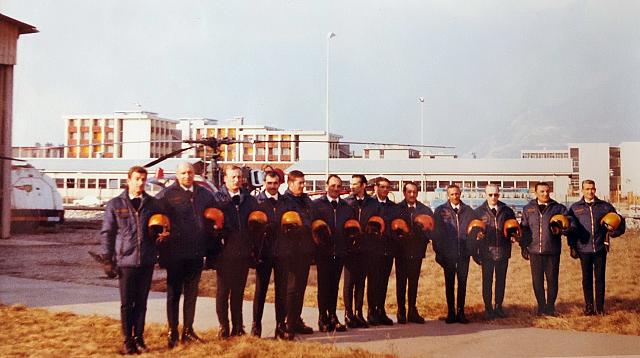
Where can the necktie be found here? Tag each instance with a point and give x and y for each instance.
(272, 201)
(236, 200)
(136, 203)
(359, 201)
(412, 209)
(494, 211)
(455, 210)
(334, 204)
(541, 207)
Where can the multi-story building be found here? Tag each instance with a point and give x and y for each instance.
(124, 134)
(259, 144)
(615, 169)
(49, 150)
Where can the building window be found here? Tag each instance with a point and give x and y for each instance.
(91, 183)
(82, 183)
(102, 183)
(521, 185)
(59, 182)
(394, 185)
(71, 183)
(84, 136)
(123, 183)
(114, 184)
(430, 185)
(308, 185)
(85, 122)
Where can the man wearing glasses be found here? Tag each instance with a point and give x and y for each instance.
(494, 250)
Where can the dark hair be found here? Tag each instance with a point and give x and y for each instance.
(588, 181)
(333, 176)
(137, 169)
(541, 183)
(293, 175)
(363, 179)
(272, 174)
(453, 186)
(407, 183)
(379, 180)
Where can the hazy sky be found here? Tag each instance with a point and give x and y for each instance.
(485, 68)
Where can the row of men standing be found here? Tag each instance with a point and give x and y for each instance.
(289, 250)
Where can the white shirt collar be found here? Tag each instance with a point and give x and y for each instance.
(185, 188)
(332, 199)
(269, 196)
(134, 197)
(493, 206)
(382, 201)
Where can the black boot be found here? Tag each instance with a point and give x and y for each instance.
(140, 345)
(129, 347)
(172, 338)
(588, 310)
(360, 318)
(372, 317)
(302, 328)
(223, 333)
(451, 317)
(414, 316)
(323, 323)
(237, 330)
(499, 312)
(402, 315)
(350, 320)
(335, 323)
(383, 318)
(256, 329)
(281, 329)
(189, 336)
(489, 313)
(461, 318)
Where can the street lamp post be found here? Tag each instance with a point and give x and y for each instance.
(329, 37)
(421, 101)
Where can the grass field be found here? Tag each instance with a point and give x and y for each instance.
(622, 302)
(30, 332)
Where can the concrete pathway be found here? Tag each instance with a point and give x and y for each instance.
(435, 338)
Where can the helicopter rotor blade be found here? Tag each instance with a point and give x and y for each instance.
(166, 156)
(2, 157)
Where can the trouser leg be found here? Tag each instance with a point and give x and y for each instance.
(239, 273)
(324, 282)
(349, 284)
(501, 279)
(462, 273)
(383, 282)
(223, 292)
(401, 284)
(296, 286)
(280, 281)
(127, 285)
(175, 283)
(263, 275)
(413, 276)
(336, 272)
(552, 271)
(537, 279)
(449, 283)
(191, 281)
(143, 285)
(600, 267)
(488, 268)
(586, 264)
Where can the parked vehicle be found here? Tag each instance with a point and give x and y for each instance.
(35, 200)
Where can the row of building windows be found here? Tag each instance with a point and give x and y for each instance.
(545, 155)
(90, 183)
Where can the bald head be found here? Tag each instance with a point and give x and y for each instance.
(185, 174)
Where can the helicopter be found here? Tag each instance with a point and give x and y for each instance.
(35, 199)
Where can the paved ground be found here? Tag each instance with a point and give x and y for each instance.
(432, 339)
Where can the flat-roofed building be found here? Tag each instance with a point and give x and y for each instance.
(123, 134)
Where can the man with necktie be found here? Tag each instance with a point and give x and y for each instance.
(410, 253)
(182, 253)
(452, 219)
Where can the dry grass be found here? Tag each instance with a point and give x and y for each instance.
(40, 333)
(622, 301)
